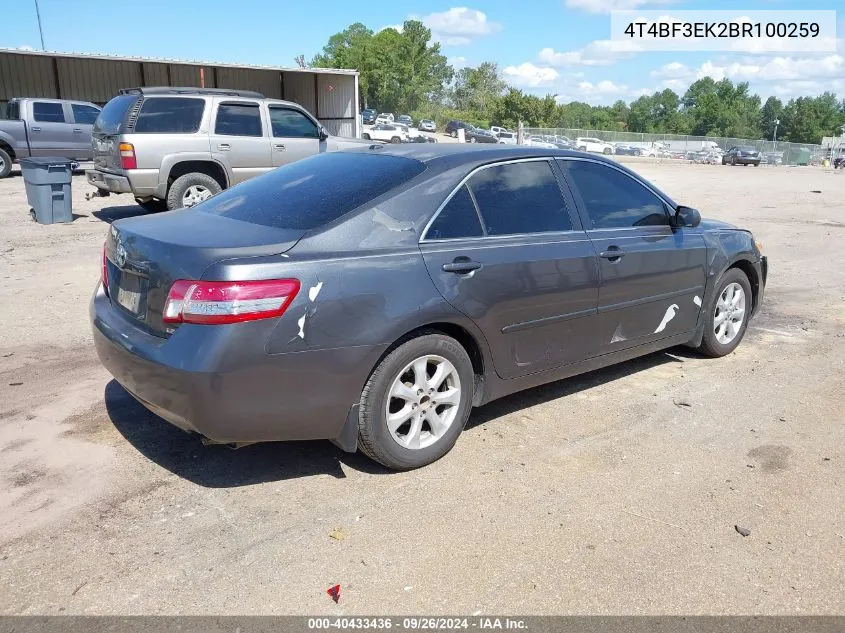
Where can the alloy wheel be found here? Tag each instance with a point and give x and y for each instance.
(194, 195)
(729, 313)
(423, 402)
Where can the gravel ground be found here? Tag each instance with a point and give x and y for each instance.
(615, 492)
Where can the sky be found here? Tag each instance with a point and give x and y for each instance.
(555, 47)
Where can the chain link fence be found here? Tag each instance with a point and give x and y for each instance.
(680, 146)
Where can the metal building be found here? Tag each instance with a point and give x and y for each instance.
(329, 94)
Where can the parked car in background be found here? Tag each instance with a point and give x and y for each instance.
(772, 158)
(477, 135)
(589, 144)
(174, 147)
(224, 337)
(388, 132)
(46, 127)
(496, 130)
(623, 149)
(404, 119)
(384, 117)
(706, 157)
(368, 116)
(507, 138)
(536, 141)
(452, 128)
(742, 155)
(427, 125)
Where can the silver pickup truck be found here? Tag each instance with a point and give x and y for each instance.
(46, 127)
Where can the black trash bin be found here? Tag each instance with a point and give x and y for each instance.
(47, 182)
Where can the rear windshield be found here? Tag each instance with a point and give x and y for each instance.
(113, 115)
(312, 192)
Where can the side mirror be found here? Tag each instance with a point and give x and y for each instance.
(323, 134)
(687, 216)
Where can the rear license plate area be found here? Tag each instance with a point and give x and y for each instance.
(132, 293)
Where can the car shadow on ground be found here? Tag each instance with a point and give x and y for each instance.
(221, 467)
(111, 214)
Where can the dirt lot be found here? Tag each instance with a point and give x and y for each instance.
(615, 492)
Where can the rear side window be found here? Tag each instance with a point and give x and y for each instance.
(238, 119)
(457, 219)
(113, 115)
(289, 123)
(613, 199)
(84, 114)
(170, 115)
(314, 191)
(45, 112)
(520, 198)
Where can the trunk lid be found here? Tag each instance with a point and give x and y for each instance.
(147, 254)
(110, 124)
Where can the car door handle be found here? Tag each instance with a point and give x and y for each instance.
(224, 147)
(279, 147)
(613, 253)
(35, 129)
(77, 130)
(461, 265)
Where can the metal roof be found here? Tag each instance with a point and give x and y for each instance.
(187, 62)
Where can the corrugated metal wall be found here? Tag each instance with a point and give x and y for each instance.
(96, 80)
(267, 82)
(331, 98)
(299, 87)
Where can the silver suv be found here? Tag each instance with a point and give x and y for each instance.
(173, 147)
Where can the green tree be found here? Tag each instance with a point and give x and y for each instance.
(771, 112)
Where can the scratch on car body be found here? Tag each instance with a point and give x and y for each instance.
(697, 300)
(618, 337)
(670, 314)
(313, 291)
(301, 324)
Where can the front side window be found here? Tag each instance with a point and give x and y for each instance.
(613, 199)
(170, 115)
(457, 219)
(46, 112)
(520, 198)
(238, 119)
(290, 123)
(84, 114)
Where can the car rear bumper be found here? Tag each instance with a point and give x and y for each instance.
(141, 183)
(219, 381)
(108, 182)
(746, 160)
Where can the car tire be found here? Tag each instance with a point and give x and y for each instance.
(153, 205)
(454, 134)
(472, 139)
(365, 136)
(396, 139)
(5, 163)
(607, 151)
(757, 164)
(716, 341)
(395, 448)
(180, 188)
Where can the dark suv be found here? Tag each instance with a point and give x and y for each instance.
(452, 128)
(368, 116)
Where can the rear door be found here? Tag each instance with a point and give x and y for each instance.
(83, 117)
(50, 130)
(294, 134)
(240, 138)
(652, 275)
(507, 250)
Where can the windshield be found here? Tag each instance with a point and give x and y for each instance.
(113, 115)
(314, 191)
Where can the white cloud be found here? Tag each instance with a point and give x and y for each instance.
(457, 62)
(606, 6)
(777, 69)
(529, 75)
(605, 87)
(597, 53)
(673, 70)
(458, 26)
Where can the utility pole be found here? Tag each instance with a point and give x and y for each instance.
(775, 139)
(40, 32)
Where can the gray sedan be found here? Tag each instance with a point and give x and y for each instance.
(318, 301)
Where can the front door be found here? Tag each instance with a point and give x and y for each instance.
(295, 135)
(508, 251)
(51, 133)
(240, 139)
(652, 275)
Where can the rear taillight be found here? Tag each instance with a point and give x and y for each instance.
(217, 302)
(104, 273)
(127, 156)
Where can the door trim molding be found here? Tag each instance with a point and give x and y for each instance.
(650, 299)
(525, 325)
